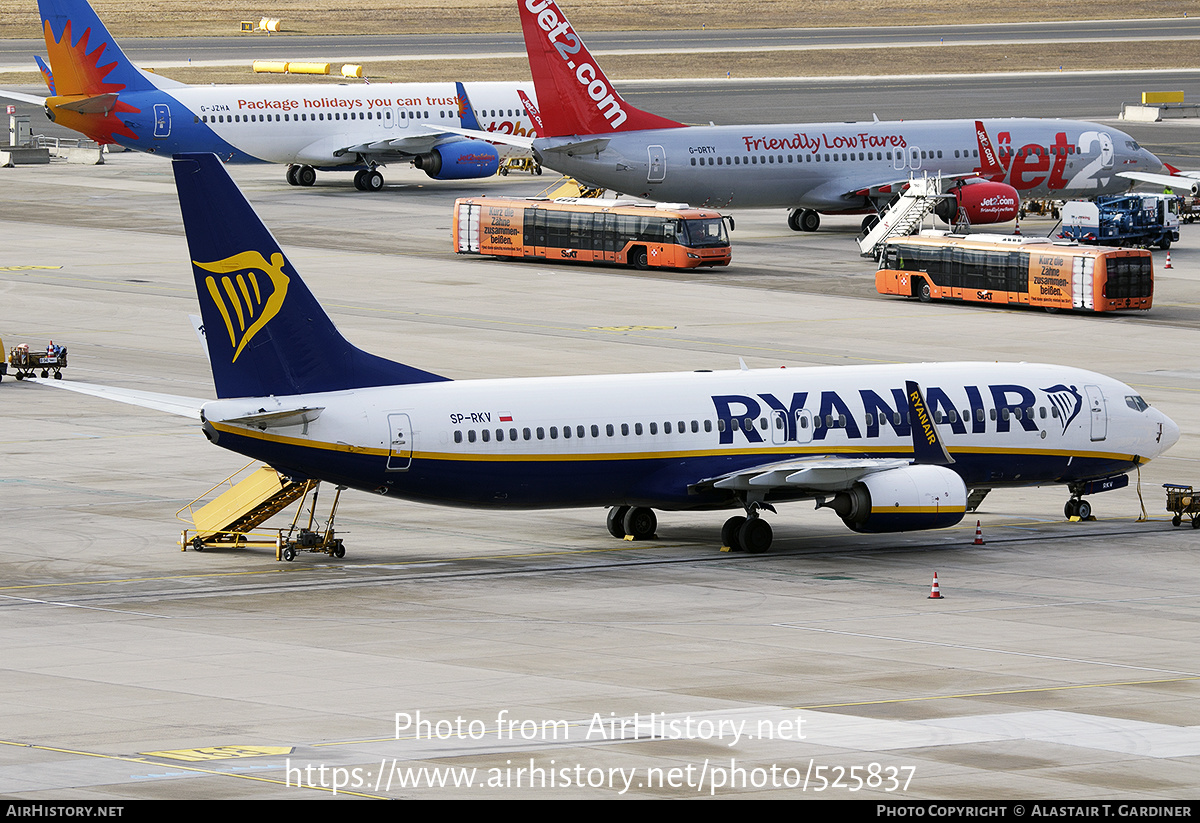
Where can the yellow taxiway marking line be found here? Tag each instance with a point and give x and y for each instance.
(177, 767)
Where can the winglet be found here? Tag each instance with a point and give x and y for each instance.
(928, 448)
(466, 112)
(575, 96)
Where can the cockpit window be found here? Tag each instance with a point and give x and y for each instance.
(1136, 403)
(1132, 145)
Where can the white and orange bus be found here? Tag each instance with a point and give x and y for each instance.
(588, 230)
(1003, 269)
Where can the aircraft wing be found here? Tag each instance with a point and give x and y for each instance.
(170, 403)
(1184, 181)
(568, 146)
(410, 145)
(515, 140)
(820, 476)
(806, 477)
(22, 98)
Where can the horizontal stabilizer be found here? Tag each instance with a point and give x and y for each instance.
(32, 99)
(98, 104)
(578, 148)
(170, 403)
(278, 419)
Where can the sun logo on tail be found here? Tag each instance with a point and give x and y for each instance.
(241, 295)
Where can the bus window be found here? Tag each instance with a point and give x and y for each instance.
(706, 232)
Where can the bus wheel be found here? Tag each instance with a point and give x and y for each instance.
(639, 260)
(923, 293)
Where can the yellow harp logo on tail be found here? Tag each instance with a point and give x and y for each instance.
(241, 295)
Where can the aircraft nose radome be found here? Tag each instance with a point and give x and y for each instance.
(1170, 433)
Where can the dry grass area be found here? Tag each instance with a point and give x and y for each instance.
(815, 63)
(19, 18)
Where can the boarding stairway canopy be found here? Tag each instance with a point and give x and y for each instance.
(905, 215)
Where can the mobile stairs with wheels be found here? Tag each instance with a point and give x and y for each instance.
(234, 518)
(905, 215)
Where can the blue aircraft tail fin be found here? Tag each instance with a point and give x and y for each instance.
(85, 58)
(266, 333)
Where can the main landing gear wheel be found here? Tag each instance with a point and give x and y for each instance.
(640, 523)
(616, 521)
(869, 222)
(803, 220)
(291, 175)
(1076, 507)
(755, 535)
(731, 533)
(747, 534)
(306, 176)
(368, 180)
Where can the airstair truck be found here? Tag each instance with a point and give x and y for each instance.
(1123, 220)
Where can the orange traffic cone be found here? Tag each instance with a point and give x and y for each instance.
(935, 593)
(1168, 265)
(1017, 228)
(978, 534)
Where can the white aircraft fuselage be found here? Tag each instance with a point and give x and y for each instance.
(313, 124)
(658, 440)
(844, 166)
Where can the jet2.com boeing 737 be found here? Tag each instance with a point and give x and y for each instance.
(887, 448)
(590, 132)
(97, 91)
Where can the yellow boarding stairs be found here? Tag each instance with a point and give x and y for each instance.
(568, 187)
(233, 518)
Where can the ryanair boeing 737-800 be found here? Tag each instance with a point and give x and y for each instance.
(886, 447)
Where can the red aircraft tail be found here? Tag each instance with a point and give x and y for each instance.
(989, 161)
(574, 95)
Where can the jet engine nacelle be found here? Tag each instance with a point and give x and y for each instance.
(460, 160)
(907, 499)
(983, 201)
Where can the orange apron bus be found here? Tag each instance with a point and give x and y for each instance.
(1003, 269)
(586, 230)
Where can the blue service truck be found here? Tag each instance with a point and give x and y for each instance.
(1123, 220)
